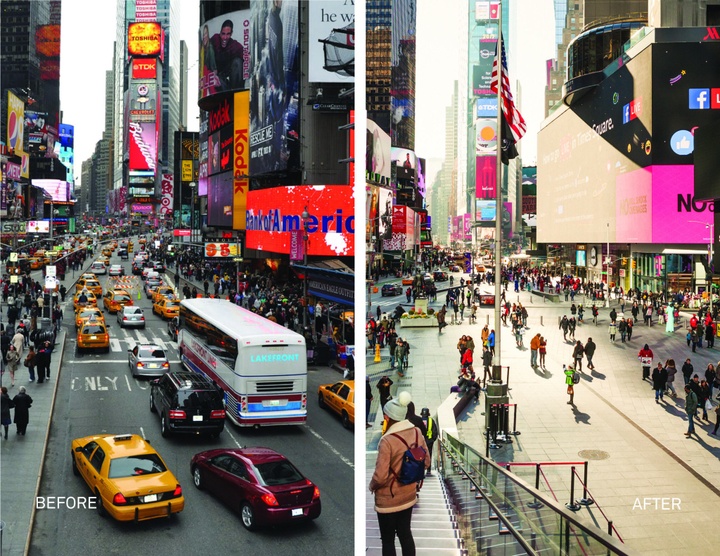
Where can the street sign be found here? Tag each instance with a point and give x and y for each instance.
(50, 270)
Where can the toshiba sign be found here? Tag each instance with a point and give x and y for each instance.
(144, 39)
(144, 68)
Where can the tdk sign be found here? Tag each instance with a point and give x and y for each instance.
(699, 99)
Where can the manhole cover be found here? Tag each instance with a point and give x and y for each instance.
(593, 454)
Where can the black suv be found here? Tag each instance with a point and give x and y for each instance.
(187, 402)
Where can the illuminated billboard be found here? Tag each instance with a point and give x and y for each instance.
(143, 102)
(377, 155)
(224, 54)
(166, 194)
(323, 18)
(38, 227)
(485, 136)
(142, 144)
(59, 190)
(482, 71)
(15, 123)
(241, 158)
(485, 177)
(144, 39)
(144, 68)
(274, 91)
(67, 136)
(405, 161)
(220, 200)
(273, 213)
(385, 213)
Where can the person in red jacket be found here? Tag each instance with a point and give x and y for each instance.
(394, 501)
(645, 356)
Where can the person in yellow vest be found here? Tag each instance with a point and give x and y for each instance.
(431, 435)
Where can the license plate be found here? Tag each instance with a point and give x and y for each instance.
(151, 498)
(93, 337)
(274, 403)
(296, 512)
(197, 417)
(153, 365)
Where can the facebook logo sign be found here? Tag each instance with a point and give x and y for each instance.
(699, 99)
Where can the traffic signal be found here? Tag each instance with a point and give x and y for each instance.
(624, 261)
(634, 263)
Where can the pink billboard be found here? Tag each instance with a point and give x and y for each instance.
(657, 205)
(142, 142)
(485, 178)
(167, 193)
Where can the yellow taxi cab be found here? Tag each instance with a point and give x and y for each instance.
(130, 246)
(104, 260)
(93, 334)
(88, 275)
(114, 244)
(114, 300)
(162, 291)
(87, 313)
(36, 263)
(167, 307)
(90, 301)
(107, 252)
(91, 284)
(340, 398)
(128, 478)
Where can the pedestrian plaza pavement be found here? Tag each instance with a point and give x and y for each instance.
(660, 489)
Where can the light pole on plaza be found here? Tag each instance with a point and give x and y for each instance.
(607, 266)
(305, 220)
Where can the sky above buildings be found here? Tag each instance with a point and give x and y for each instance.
(88, 34)
(442, 59)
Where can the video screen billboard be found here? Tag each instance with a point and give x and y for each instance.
(273, 213)
(486, 177)
(406, 162)
(274, 90)
(59, 190)
(142, 144)
(145, 39)
(67, 136)
(323, 18)
(220, 200)
(482, 71)
(143, 101)
(144, 68)
(377, 155)
(385, 214)
(224, 54)
(485, 136)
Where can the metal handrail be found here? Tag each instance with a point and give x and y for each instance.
(612, 545)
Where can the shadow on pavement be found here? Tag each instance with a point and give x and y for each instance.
(580, 417)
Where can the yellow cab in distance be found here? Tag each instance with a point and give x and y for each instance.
(167, 307)
(88, 275)
(36, 263)
(340, 398)
(93, 334)
(104, 260)
(91, 300)
(107, 252)
(85, 314)
(128, 478)
(91, 284)
(115, 300)
(162, 291)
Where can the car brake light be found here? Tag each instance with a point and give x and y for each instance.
(316, 493)
(217, 414)
(165, 365)
(176, 414)
(140, 364)
(243, 403)
(107, 337)
(178, 491)
(269, 499)
(119, 499)
(125, 318)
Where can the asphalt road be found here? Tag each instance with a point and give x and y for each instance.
(97, 394)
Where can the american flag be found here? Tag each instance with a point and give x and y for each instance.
(513, 117)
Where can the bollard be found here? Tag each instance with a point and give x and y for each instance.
(377, 354)
(585, 501)
(541, 321)
(487, 319)
(572, 505)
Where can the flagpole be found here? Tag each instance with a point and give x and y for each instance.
(498, 202)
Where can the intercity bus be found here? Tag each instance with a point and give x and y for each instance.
(260, 365)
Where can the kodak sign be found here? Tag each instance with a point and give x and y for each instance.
(241, 154)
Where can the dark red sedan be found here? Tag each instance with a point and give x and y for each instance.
(261, 484)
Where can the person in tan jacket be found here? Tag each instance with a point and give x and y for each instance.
(394, 501)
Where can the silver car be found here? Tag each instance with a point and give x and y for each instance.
(148, 360)
(131, 317)
(151, 284)
(116, 270)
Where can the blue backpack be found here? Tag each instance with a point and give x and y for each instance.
(412, 467)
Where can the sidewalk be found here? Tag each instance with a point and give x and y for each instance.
(636, 448)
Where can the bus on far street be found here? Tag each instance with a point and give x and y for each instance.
(260, 365)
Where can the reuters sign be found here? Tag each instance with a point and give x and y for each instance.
(144, 39)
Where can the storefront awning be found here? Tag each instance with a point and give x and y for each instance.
(331, 280)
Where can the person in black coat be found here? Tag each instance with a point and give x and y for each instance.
(659, 379)
(6, 404)
(383, 387)
(415, 419)
(23, 403)
(42, 359)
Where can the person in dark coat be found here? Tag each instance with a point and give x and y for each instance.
(42, 359)
(415, 419)
(6, 404)
(659, 379)
(23, 403)
(383, 387)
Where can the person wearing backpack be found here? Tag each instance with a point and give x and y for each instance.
(398, 469)
(571, 379)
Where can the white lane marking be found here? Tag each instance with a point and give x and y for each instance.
(142, 339)
(227, 430)
(127, 380)
(142, 433)
(330, 447)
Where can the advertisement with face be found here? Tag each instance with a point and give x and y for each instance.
(406, 162)
(385, 214)
(220, 200)
(224, 54)
(274, 87)
(142, 143)
(324, 17)
(273, 213)
(377, 156)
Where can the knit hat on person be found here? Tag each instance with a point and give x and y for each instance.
(396, 409)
